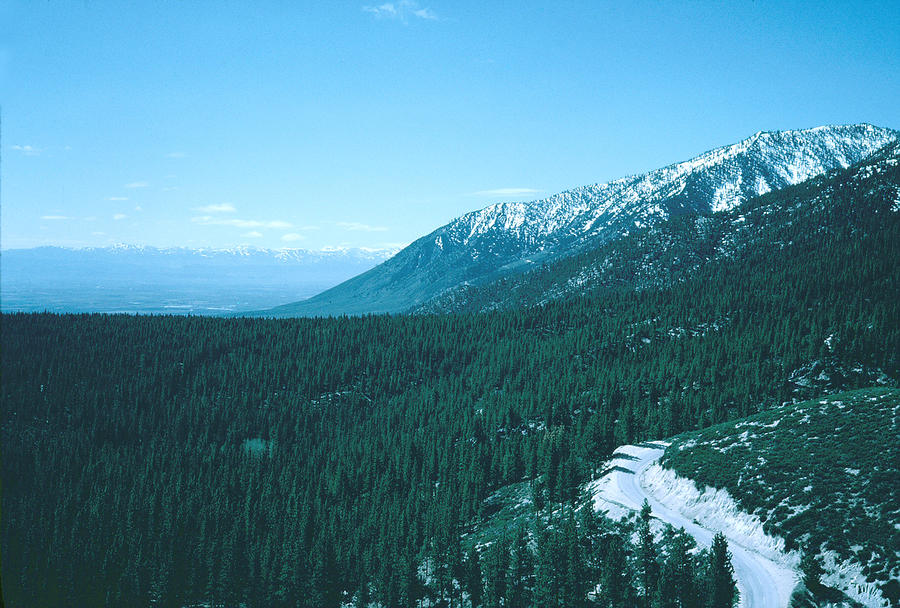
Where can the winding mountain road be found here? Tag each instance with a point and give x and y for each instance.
(762, 583)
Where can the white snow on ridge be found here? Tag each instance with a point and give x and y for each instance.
(762, 186)
(719, 180)
(849, 578)
(725, 195)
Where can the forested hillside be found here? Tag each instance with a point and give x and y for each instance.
(277, 462)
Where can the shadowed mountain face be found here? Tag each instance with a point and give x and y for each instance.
(507, 238)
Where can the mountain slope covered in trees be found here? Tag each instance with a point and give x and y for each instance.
(180, 460)
(509, 238)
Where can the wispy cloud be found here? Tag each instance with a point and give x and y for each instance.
(119, 216)
(401, 11)
(27, 150)
(253, 234)
(176, 155)
(360, 227)
(137, 185)
(208, 220)
(117, 198)
(138, 208)
(292, 236)
(385, 10)
(223, 208)
(506, 192)
(56, 218)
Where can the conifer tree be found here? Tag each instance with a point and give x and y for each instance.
(521, 571)
(721, 586)
(676, 587)
(811, 569)
(574, 576)
(646, 554)
(496, 565)
(474, 582)
(546, 585)
(616, 589)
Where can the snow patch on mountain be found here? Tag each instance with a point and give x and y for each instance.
(726, 194)
(849, 578)
(717, 180)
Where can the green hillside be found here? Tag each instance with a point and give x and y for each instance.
(824, 474)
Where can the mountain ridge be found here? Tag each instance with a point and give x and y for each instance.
(672, 250)
(238, 250)
(505, 238)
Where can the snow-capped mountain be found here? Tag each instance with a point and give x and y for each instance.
(508, 237)
(674, 250)
(133, 278)
(284, 254)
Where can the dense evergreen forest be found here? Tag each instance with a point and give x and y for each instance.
(180, 460)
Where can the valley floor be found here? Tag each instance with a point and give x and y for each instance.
(765, 578)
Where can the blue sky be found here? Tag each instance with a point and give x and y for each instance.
(326, 124)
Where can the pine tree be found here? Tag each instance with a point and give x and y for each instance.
(616, 589)
(676, 587)
(521, 572)
(496, 564)
(474, 582)
(574, 583)
(647, 560)
(325, 585)
(811, 569)
(721, 586)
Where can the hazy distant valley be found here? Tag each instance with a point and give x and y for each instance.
(149, 280)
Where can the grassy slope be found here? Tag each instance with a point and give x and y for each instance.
(824, 472)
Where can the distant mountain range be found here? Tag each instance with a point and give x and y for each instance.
(125, 278)
(506, 239)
